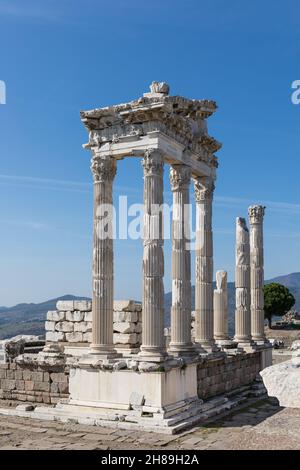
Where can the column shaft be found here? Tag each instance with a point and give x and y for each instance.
(181, 263)
(153, 343)
(204, 264)
(242, 283)
(256, 215)
(221, 309)
(104, 170)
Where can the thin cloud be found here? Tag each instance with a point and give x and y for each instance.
(32, 10)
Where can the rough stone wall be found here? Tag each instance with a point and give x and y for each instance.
(217, 376)
(71, 322)
(33, 383)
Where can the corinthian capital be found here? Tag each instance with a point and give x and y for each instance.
(103, 168)
(180, 176)
(153, 162)
(256, 214)
(204, 188)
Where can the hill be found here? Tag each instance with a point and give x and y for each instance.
(29, 318)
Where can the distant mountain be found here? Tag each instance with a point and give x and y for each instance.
(29, 318)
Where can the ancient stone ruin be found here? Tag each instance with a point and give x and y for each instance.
(110, 364)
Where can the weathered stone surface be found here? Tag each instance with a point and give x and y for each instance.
(65, 326)
(83, 305)
(75, 337)
(25, 407)
(54, 315)
(87, 337)
(124, 305)
(75, 316)
(295, 345)
(83, 326)
(55, 336)
(125, 317)
(124, 327)
(125, 338)
(88, 316)
(283, 381)
(50, 325)
(65, 305)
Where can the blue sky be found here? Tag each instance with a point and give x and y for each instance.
(61, 56)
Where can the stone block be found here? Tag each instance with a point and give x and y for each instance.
(50, 325)
(87, 337)
(42, 386)
(20, 384)
(75, 337)
(88, 316)
(8, 384)
(75, 316)
(83, 305)
(124, 305)
(125, 317)
(138, 327)
(10, 374)
(130, 338)
(29, 385)
(27, 374)
(54, 315)
(59, 377)
(18, 374)
(65, 305)
(2, 374)
(63, 387)
(64, 326)
(55, 336)
(25, 407)
(54, 387)
(37, 376)
(83, 326)
(124, 327)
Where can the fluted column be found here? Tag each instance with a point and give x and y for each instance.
(242, 284)
(153, 344)
(221, 309)
(204, 188)
(104, 170)
(256, 216)
(180, 344)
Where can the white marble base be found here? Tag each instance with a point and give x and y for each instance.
(104, 388)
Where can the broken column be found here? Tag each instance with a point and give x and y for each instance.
(221, 310)
(256, 215)
(242, 284)
(204, 187)
(180, 343)
(153, 342)
(104, 171)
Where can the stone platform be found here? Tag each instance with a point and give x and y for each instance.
(171, 419)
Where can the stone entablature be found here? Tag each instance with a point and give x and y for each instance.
(174, 124)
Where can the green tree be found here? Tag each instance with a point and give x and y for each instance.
(278, 300)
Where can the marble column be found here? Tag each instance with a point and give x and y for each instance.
(181, 343)
(256, 215)
(153, 342)
(104, 170)
(242, 284)
(204, 338)
(221, 310)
